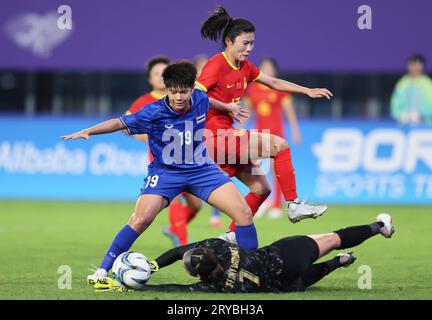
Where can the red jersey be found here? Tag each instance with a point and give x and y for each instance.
(227, 83)
(140, 103)
(143, 101)
(267, 104)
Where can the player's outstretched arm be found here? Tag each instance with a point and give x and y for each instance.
(282, 85)
(173, 255)
(104, 127)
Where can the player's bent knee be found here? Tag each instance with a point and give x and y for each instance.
(278, 145)
(283, 146)
(140, 222)
(244, 216)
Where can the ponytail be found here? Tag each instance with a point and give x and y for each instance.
(220, 23)
(214, 26)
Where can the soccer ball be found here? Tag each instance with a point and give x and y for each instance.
(132, 269)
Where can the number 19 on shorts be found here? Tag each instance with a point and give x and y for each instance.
(152, 181)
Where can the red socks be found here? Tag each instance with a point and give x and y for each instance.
(179, 216)
(189, 214)
(254, 201)
(277, 195)
(285, 175)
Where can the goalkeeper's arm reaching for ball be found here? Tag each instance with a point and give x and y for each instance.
(166, 259)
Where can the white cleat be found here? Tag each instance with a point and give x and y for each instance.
(99, 275)
(229, 237)
(388, 229)
(300, 210)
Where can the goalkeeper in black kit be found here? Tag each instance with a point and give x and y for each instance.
(283, 266)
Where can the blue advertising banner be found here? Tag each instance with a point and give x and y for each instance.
(35, 163)
(364, 162)
(337, 162)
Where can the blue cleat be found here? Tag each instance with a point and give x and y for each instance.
(173, 237)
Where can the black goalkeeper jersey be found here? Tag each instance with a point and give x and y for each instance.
(244, 271)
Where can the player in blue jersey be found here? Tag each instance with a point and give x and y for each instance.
(175, 126)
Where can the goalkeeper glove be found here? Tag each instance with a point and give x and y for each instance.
(154, 266)
(109, 285)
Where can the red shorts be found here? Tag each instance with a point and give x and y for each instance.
(230, 150)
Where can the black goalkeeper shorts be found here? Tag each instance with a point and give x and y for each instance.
(298, 254)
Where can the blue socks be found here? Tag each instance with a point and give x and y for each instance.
(246, 237)
(121, 243)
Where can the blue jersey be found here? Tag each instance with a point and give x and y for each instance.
(175, 139)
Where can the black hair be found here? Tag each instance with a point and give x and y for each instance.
(154, 61)
(180, 75)
(220, 23)
(271, 60)
(202, 262)
(417, 57)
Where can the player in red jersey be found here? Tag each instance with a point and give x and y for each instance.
(225, 79)
(179, 214)
(269, 107)
(155, 67)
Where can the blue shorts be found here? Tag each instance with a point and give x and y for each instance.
(170, 182)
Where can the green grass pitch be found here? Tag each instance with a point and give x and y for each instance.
(36, 238)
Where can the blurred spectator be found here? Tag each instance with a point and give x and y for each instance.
(199, 62)
(270, 106)
(154, 69)
(411, 101)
